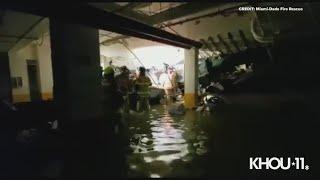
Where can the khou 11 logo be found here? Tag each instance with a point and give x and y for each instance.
(275, 163)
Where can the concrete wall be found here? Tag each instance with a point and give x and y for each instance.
(45, 68)
(18, 68)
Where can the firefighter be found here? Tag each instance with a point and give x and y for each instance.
(124, 86)
(142, 84)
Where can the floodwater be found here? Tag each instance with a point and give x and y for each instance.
(218, 144)
(195, 144)
(163, 145)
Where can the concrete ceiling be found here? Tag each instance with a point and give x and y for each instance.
(157, 14)
(157, 7)
(230, 40)
(17, 29)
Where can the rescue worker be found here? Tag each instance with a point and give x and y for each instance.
(112, 127)
(168, 83)
(124, 86)
(173, 78)
(142, 84)
(112, 98)
(108, 77)
(111, 64)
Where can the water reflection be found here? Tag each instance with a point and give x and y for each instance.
(213, 145)
(161, 143)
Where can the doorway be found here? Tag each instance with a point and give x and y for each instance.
(34, 85)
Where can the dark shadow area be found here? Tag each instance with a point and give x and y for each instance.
(31, 147)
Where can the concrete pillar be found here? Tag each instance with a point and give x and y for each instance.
(5, 82)
(191, 77)
(76, 70)
(77, 93)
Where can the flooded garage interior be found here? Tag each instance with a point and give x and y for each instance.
(159, 90)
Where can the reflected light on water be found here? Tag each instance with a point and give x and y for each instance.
(147, 159)
(168, 139)
(154, 175)
(165, 142)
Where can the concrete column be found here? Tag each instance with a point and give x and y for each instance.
(77, 94)
(76, 70)
(191, 77)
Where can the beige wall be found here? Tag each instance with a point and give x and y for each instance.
(18, 68)
(45, 70)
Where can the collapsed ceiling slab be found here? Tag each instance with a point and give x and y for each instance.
(167, 18)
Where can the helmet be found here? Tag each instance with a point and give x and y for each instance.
(108, 71)
(142, 69)
(124, 69)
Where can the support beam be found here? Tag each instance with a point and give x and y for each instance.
(244, 39)
(215, 45)
(206, 45)
(100, 19)
(235, 44)
(191, 78)
(225, 44)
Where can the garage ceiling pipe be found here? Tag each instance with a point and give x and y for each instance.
(100, 19)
